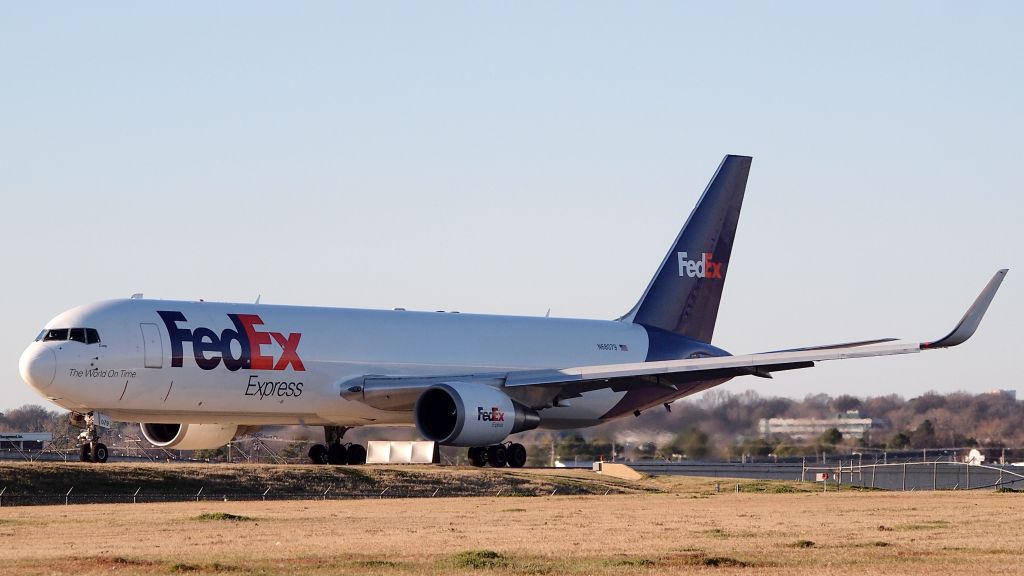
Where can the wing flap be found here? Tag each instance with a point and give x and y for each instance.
(737, 365)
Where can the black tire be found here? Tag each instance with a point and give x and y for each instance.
(85, 453)
(478, 456)
(497, 456)
(337, 454)
(516, 455)
(100, 453)
(318, 454)
(356, 454)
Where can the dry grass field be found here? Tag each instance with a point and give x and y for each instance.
(682, 527)
(47, 482)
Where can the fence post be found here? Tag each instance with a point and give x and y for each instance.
(200, 492)
(136, 495)
(968, 476)
(265, 494)
(904, 476)
(2, 496)
(803, 469)
(873, 466)
(67, 496)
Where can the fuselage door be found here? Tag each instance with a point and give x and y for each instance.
(153, 346)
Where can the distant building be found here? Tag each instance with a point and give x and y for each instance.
(24, 440)
(1012, 394)
(849, 424)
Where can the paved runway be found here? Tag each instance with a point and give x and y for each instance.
(909, 476)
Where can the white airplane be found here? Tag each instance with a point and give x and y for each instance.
(198, 374)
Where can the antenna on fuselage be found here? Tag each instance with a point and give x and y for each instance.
(137, 296)
(258, 296)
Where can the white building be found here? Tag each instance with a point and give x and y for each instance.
(24, 440)
(849, 424)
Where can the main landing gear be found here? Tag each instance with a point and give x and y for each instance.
(91, 450)
(499, 455)
(335, 452)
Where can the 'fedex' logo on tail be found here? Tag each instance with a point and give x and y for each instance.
(210, 348)
(703, 268)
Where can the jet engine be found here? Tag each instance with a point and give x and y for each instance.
(461, 414)
(192, 436)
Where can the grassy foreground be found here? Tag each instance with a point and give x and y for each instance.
(677, 526)
(31, 483)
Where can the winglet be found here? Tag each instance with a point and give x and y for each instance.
(969, 323)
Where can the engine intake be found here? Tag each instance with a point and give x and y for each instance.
(191, 436)
(460, 414)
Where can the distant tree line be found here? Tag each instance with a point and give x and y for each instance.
(724, 425)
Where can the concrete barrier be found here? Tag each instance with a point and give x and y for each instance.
(404, 452)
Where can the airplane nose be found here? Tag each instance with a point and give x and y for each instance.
(38, 366)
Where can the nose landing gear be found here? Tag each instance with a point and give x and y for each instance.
(499, 455)
(91, 450)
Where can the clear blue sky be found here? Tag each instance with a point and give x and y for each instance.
(515, 157)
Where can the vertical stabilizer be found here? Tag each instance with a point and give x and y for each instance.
(684, 295)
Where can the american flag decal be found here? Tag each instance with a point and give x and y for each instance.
(623, 347)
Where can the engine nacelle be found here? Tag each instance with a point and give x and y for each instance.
(460, 414)
(191, 436)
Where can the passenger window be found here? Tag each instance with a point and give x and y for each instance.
(77, 334)
(57, 334)
(92, 336)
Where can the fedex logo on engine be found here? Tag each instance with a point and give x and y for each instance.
(492, 415)
(703, 268)
(254, 350)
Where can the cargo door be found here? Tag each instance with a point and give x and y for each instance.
(153, 346)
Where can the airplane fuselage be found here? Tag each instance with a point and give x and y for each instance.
(203, 362)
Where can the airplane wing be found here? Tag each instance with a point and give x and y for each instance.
(549, 387)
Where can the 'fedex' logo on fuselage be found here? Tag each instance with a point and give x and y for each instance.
(210, 348)
(703, 268)
(493, 415)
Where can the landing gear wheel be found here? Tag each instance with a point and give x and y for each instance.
(516, 455)
(478, 456)
(99, 453)
(356, 454)
(497, 456)
(337, 454)
(85, 453)
(318, 454)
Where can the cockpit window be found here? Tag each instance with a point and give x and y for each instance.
(56, 334)
(83, 335)
(40, 336)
